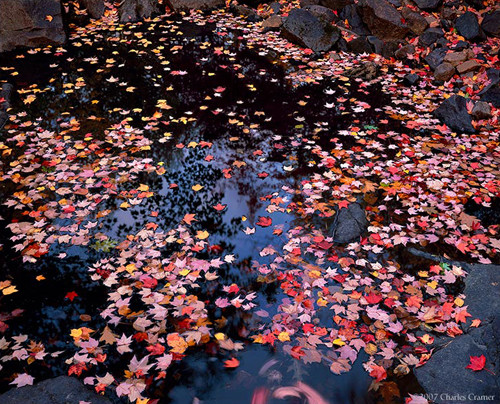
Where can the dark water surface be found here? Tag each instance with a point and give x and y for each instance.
(49, 316)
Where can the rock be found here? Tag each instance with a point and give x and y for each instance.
(60, 390)
(383, 20)
(23, 23)
(481, 110)
(456, 58)
(436, 57)
(324, 14)
(272, 23)
(350, 223)
(430, 36)
(491, 23)
(444, 72)
(353, 17)
(453, 112)
(444, 374)
(247, 12)
(179, 5)
(308, 31)
(416, 22)
(305, 3)
(468, 66)
(403, 52)
(467, 25)
(411, 79)
(359, 45)
(275, 7)
(336, 4)
(492, 95)
(428, 4)
(135, 10)
(477, 4)
(95, 8)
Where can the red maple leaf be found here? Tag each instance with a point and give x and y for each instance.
(232, 363)
(264, 221)
(71, 295)
(476, 363)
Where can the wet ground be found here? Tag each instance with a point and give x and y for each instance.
(230, 122)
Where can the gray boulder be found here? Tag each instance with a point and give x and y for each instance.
(383, 20)
(453, 112)
(467, 25)
(135, 10)
(180, 5)
(491, 23)
(25, 23)
(436, 57)
(350, 223)
(95, 8)
(444, 375)
(307, 30)
(60, 390)
(416, 22)
(352, 15)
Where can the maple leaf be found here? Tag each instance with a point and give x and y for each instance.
(378, 372)
(477, 363)
(219, 207)
(71, 295)
(23, 379)
(264, 221)
(189, 218)
(231, 363)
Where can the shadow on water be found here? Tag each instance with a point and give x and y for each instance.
(254, 93)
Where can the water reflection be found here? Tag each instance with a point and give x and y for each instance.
(241, 105)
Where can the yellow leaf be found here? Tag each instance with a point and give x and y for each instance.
(202, 235)
(40, 278)
(283, 336)
(184, 272)
(220, 336)
(338, 342)
(143, 188)
(197, 187)
(9, 290)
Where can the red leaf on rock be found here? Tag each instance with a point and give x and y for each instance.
(476, 363)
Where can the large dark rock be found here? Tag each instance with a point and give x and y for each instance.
(350, 223)
(481, 110)
(428, 4)
(436, 57)
(383, 20)
(416, 22)
(336, 4)
(135, 10)
(61, 390)
(95, 8)
(492, 95)
(491, 23)
(453, 112)
(444, 374)
(430, 36)
(353, 17)
(307, 30)
(324, 14)
(179, 5)
(467, 25)
(25, 23)
(359, 45)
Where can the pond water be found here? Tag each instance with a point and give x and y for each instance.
(229, 122)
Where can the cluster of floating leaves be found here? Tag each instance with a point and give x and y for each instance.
(166, 294)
